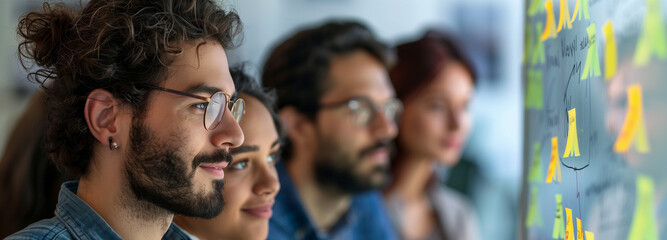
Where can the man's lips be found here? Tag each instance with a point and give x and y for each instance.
(380, 156)
(215, 169)
(263, 211)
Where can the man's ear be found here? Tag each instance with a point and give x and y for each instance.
(298, 127)
(101, 112)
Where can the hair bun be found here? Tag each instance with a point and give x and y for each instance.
(44, 34)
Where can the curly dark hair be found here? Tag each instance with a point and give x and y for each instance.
(115, 45)
(298, 67)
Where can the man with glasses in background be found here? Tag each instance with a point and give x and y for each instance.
(339, 110)
(142, 109)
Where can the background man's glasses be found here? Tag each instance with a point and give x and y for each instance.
(215, 107)
(363, 110)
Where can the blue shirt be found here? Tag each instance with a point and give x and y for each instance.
(75, 219)
(366, 218)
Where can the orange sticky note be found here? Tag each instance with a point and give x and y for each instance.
(554, 164)
(559, 224)
(569, 231)
(643, 223)
(550, 27)
(535, 174)
(572, 145)
(580, 233)
(633, 127)
(610, 54)
(538, 53)
(592, 65)
(534, 217)
(652, 38)
(564, 16)
(589, 236)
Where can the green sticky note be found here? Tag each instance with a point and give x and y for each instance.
(535, 174)
(652, 38)
(534, 90)
(538, 53)
(559, 221)
(643, 223)
(535, 7)
(592, 65)
(527, 44)
(584, 8)
(534, 217)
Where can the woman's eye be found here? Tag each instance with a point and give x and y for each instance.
(240, 165)
(272, 158)
(436, 106)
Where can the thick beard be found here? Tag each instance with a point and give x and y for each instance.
(157, 174)
(337, 168)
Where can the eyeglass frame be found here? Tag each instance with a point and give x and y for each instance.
(374, 107)
(208, 102)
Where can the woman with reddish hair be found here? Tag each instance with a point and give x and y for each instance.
(435, 81)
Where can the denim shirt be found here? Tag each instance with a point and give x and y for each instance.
(75, 219)
(366, 218)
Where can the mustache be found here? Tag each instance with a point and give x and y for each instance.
(379, 145)
(215, 157)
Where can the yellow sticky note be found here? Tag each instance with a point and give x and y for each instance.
(535, 174)
(589, 236)
(652, 38)
(554, 164)
(564, 16)
(569, 231)
(580, 233)
(633, 126)
(534, 217)
(534, 90)
(538, 53)
(572, 145)
(559, 224)
(592, 65)
(550, 26)
(610, 50)
(535, 7)
(643, 223)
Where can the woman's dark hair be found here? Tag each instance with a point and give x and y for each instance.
(115, 45)
(247, 85)
(420, 61)
(29, 182)
(298, 67)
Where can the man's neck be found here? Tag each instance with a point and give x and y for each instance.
(324, 205)
(127, 216)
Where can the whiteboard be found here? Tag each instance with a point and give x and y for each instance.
(595, 116)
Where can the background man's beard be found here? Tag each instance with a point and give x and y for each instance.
(156, 174)
(336, 168)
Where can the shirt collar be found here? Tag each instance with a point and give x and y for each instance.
(84, 223)
(290, 213)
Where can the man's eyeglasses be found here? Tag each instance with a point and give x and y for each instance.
(215, 106)
(363, 110)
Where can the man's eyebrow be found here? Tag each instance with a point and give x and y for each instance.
(203, 88)
(244, 149)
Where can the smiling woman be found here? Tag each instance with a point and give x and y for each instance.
(251, 179)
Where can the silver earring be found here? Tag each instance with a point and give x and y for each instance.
(112, 145)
